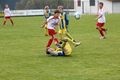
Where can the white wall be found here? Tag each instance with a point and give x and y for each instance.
(26, 12)
(76, 7)
(80, 8)
(85, 4)
(116, 7)
(92, 9)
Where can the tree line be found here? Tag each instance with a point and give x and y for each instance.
(37, 4)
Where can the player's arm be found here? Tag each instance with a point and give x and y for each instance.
(45, 13)
(99, 16)
(44, 23)
(57, 26)
(64, 43)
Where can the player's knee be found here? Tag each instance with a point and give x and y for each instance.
(51, 38)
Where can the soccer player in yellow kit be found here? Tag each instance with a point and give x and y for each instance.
(63, 48)
(47, 14)
(64, 25)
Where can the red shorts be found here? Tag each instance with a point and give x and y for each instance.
(100, 24)
(7, 17)
(51, 32)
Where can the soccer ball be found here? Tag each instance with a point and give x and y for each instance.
(77, 15)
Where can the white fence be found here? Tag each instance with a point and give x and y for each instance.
(38, 12)
(26, 12)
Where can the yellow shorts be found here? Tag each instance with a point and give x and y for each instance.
(62, 31)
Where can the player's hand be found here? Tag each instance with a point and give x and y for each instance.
(42, 26)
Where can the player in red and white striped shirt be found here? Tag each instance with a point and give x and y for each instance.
(52, 22)
(7, 15)
(101, 21)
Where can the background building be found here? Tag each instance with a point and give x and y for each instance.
(35, 7)
(90, 6)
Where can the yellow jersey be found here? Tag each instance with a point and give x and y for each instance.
(67, 49)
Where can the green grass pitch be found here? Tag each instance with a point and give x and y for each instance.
(22, 51)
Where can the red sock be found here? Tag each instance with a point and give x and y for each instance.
(11, 21)
(56, 40)
(50, 42)
(101, 32)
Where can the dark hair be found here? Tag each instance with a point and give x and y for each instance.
(101, 3)
(56, 11)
